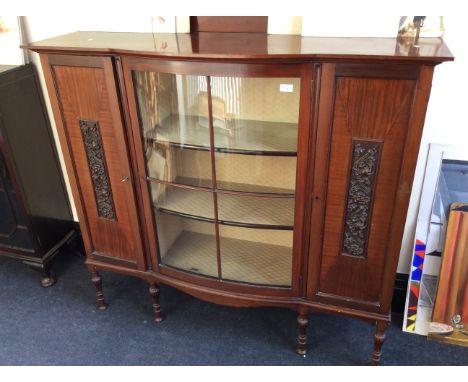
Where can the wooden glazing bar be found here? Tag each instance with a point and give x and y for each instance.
(213, 176)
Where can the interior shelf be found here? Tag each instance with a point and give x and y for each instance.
(237, 136)
(231, 186)
(233, 209)
(241, 260)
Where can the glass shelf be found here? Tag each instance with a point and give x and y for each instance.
(177, 250)
(256, 173)
(233, 209)
(247, 261)
(231, 187)
(193, 252)
(236, 187)
(242, 173)
(256, 256)
(180, 201)
(237, 136)
(256, 211)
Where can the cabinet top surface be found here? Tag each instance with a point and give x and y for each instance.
(243, 46)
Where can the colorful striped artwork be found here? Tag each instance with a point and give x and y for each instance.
(444, 183)
(415, 284)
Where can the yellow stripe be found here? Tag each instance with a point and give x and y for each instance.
(411, 327)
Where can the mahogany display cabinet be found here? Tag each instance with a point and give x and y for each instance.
(35, 216)
(244, 169)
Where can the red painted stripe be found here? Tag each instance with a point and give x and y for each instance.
(415, 290)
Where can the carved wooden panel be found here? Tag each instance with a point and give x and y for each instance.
(97, 167)
(364, 165)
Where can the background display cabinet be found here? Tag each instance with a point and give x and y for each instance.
(35, 216)
(244, 170)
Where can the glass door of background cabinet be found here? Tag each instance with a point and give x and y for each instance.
(220, 156)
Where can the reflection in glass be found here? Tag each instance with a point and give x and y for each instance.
(178, 165)
(173, 108)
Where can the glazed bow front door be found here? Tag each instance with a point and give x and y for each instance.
(218, 157)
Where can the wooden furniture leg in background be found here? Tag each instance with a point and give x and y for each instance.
(47, 280)
(379, 339)
(302, 337)
(97, 281)
(154, 292)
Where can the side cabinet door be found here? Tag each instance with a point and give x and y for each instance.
(93, 133)
(369, 126)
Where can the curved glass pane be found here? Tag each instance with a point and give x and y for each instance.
(173, 112)
(249, 190)
(256, 173)
(255, 114)
(187, 244)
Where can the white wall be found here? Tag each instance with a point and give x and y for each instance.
(342, 25)
(445, 121)
(9, 41)
(285, 24)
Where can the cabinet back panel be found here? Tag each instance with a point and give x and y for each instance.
(370, 118)
(13, 230)
(27, 133)
(95, 133)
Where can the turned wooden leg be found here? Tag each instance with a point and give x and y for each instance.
(379, 339)
(301, 339)
(97, 281)
(154, 292)
(47, 280)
